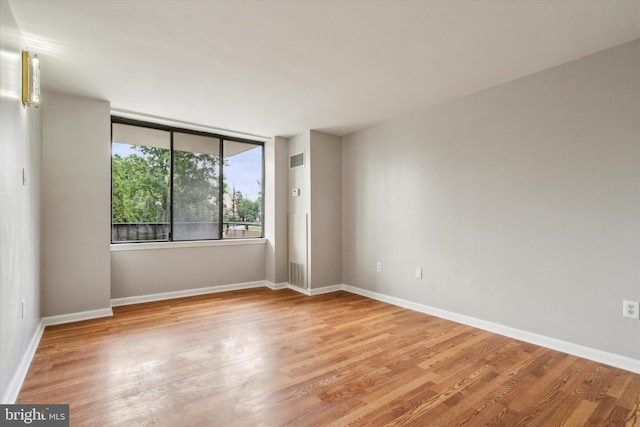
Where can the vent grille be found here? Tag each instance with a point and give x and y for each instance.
(297, 275)
(296, 160)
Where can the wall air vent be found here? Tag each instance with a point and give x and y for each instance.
(298, 250)
(296, 161)
(297, 275)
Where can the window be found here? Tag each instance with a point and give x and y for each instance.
(195, 187)
(172, 184)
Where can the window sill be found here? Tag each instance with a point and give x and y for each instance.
(191, 244)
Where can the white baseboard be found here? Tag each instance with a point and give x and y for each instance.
(326, 289)
(11, 394)
(276, 286)
(115, 302)
(316, 291)
(599, 356)
(77, 317)
(301, 290)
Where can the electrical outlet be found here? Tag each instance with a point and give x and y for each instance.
(630, 309)
(379, 267)
(418, 273)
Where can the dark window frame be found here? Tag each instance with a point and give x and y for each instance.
(221, 139)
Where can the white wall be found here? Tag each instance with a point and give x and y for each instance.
(76, 211)
(299, 206)
(521, 203)
(300, 177)
(146, 271)
(319, 182)
(20, 147)
(276, 207)
(325, 251)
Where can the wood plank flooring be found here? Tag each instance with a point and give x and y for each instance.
(258, 357)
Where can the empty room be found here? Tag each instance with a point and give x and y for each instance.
(309, 213)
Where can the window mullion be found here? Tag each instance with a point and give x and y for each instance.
(221, 188)
(171, 166)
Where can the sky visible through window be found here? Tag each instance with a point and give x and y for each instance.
(243, 174)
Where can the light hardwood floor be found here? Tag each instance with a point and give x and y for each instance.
(270, 358)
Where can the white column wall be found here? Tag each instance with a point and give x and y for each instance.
(76, 204)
